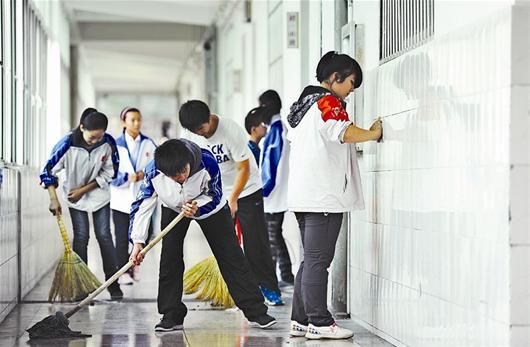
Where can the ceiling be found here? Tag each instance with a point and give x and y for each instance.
(138, 45)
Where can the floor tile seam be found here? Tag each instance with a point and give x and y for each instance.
(186, 341)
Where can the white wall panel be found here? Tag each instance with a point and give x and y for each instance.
(430, 257)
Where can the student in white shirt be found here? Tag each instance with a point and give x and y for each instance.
(242, 184)
(324, 183)
(136, 151)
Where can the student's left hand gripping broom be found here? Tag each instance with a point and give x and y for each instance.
(56, 326)
(73, 279)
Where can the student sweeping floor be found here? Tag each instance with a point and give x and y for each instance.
(187, 179)
(89, 160)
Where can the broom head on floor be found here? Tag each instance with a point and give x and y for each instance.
(73, 279)
(205, 280)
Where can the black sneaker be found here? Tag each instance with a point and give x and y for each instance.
(115, 293)
(168, 324)
(265, 321)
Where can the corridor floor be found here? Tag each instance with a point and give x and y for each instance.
(131, 321)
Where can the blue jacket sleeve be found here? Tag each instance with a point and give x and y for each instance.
(47, 176)
(215, 188)
(272, 151)
(121, 179)
(142, 208)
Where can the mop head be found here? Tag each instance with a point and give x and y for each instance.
(73, 279)
(54, 327)
(205, 279)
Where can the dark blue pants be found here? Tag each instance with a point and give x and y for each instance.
(103, 235)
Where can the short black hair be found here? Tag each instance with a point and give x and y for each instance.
(95, 121)
(271, 99)
(193, 114)
(254, 118)
(172, 156)
(342, 64)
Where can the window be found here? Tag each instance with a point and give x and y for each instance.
(2, 137)
(405, 24)
(23, 66)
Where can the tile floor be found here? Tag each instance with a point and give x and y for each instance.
(131, 322)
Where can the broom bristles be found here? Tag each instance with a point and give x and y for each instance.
(206, 280)
(73, 279)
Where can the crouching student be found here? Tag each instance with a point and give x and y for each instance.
(187, 178)
(89, 159)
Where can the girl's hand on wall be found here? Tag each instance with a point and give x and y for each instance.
(377, 128)
(75, 195)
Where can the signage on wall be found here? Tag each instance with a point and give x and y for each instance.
(292, 30)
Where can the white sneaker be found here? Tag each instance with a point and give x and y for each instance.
(125, 279)
(297, 329)
(329, 332)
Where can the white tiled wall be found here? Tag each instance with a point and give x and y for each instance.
(8, 242)
(430, 255)
(520, 179)
(40, 245)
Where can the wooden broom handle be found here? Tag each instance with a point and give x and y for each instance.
(126, 267)
(60, 222)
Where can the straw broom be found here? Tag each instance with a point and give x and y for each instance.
(206, 280)
(73, 279)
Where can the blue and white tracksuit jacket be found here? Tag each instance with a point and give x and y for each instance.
(275, 167)
(122, 192)
(203, 185)
(81, 166)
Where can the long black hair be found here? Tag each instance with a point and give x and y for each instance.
(91, 119)
(342, 64)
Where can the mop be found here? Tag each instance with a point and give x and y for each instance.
(56, 326)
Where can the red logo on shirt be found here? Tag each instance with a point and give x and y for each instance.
(104, 158)
(332, 109)
(147, 154)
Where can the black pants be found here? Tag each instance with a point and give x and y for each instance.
(121, 230)
(280, 254)
(256, 241)
(219, 232)
(319, 236)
